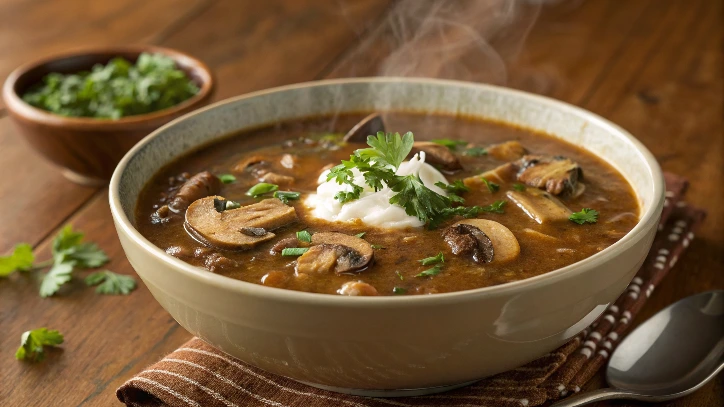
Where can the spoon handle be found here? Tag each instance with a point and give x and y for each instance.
(591, 396)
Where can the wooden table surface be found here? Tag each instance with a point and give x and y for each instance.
(652, 66)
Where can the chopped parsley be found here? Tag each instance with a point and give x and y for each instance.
(586, 215)
(33, 342)
(361, 235)
(261, 189)
(492, 187)
(439, 258)
(519, 187)
(451, 144)
(457, 187)
(227, 178)
(399, 275)
(109, 282)
(399, 290)
(294, 251)
(286, 196)
(225, 204)
(495, 207)
(304, 236)
(435, 270)
(475, 151)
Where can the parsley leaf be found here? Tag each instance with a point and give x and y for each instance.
(495, 207)
(451, 144)
(388, 148)
(58, 275)
(261, 189)
(439, 258)
(417, 199)
(32, 343)
(586, 215)
(227, 178)
(21, 259)
(457, 187)
(519, 187)
(304, 236)
(286, 196)
(492, 187)
(111, 283)
(399, 275)
(435, 270)
(361, 235)
(475, 152)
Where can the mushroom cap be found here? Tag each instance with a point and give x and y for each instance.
(437, 154)
(338, 251)
(468, 239)
(368, 126)
(229, 229)
(505, 245)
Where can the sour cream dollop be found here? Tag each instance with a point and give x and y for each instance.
(372, 208)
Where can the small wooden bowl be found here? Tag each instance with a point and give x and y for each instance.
(88, 149)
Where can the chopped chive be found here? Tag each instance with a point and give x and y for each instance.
(286, 196)
(399, 290)
(294, 251)
(227, 178)
(492, 186)
(304, 236)
(439, 258)
(261, 189)
(225, 204)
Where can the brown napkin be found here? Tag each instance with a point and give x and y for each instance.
(199, 375)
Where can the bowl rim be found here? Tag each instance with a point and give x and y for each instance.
(648, 219)
(15, 104)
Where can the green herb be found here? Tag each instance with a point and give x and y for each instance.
(227, 178)
(32, 343)
(451, 144)
(109, 282)
(21, 259)
(457, 187)
(114, 90)
(376, 246)
(435, 270)
(69, 253)
(261, 189)
(519, 187)
(495, 207)
(334, 138)
(399, 275)
(492, 187)
(399, 290)
(439, 258)
(378, 165)
(586, 215)
(225, 204)
(286, 196)
(475, 151)
(304, 236)
(361, 235)
(294, 251)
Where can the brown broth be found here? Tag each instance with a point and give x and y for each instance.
(606, 191)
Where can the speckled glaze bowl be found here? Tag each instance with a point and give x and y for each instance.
(388, 346)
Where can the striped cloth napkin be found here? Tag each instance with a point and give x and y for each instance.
(197, 374)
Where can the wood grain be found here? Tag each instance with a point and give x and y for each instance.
(652, 66)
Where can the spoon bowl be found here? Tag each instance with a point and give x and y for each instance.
(669, 356)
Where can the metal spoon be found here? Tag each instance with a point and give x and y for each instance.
(667, 357)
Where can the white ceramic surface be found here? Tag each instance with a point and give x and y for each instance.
(383, 343)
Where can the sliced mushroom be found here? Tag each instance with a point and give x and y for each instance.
(278, 179)
(466, 239)
(437, 154)
(505, 245)
(540, 205)
(508, 151)
(335, 251)
(369, 126)
(231, 228)
(248, 162)
(554, 174)
(357, 288)
(200, 185)
(499, 174)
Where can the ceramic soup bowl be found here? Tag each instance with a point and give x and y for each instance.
(389, 346)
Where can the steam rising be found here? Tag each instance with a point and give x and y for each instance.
(452, 39)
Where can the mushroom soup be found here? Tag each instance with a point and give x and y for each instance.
(338, 206)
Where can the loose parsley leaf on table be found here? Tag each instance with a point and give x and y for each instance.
(21, 259)
(32, 343)
(109, 282)
(586, 215)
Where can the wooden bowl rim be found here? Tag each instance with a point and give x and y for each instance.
(17, 106)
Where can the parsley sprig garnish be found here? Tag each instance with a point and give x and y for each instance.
(378, 165)
(586, 215)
